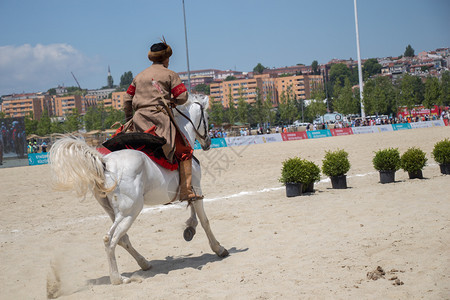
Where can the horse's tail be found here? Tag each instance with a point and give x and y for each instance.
(77, 166)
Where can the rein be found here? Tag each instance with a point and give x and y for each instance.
(202, 120)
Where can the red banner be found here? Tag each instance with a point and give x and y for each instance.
(341, 131)
(446, 122)
(292, 136)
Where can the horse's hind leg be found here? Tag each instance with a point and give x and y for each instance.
(213, 243)
(125, 240)
(191, 224)
(142, 262)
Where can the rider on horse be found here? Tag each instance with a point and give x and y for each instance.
(149, 96)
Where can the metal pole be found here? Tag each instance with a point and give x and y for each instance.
(361, 83)
(187, 52)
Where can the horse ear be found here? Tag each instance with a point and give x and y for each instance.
(206, 102)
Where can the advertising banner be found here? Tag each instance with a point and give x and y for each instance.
(271, 138)
(384, 128)
(437, 123)
(243, 140)
(341, 131)
(421, 124)
(446, 122)
(215, 143)
(401, 126)
(37, 158)
(315, 134)
(293, 136)
(363, 129)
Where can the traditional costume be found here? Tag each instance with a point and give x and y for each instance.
(149, 96)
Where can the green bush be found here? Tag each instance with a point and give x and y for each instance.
(387, 160)
(413, 160)
(441, 152)
(297, 170)
(335, 163)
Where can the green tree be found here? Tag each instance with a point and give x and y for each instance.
(231, 112)
(444, 98)
(30, 123)
(202, 88)
(44, 125)
(242, 109)
(259, 69)
(379, 96)
(411, 91)
(52, 91)
(269, 112)
(286, 107)
(345, 101)
(216, 114)
(315, 109)
(432, 92)
(229, 78)
(371, 67)
(315, 67)
(73, 121)
(126, 79)
(409, 51)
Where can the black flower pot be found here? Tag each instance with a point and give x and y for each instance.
(293, 189)
(445, 168)
(417, 174)
(308, 188)
(339, 182)
(387, 176)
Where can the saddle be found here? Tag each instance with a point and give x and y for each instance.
(147, 143)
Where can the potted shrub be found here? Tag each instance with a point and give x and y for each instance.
(291, 174)
(336, 165)
(387, 162)
(413, 161)
(310, 174)
(441, 154)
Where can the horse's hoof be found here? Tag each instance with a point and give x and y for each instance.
(224, 253)
(145, 266)
(189, 233)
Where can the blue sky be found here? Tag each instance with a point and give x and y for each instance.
(43, 41)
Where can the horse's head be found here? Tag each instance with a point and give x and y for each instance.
(196, 119)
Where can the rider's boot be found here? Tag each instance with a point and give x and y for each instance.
(187, 192)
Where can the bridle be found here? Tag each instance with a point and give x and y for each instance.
(202, 120)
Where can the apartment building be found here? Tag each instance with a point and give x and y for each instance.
(300, 85)
(269, 87)
(117, 100)
(21, 105)
(65, 105)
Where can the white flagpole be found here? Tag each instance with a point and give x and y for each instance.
(361, 83)
(187, 52)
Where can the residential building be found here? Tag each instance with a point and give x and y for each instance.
(21, 105)
(117, 100)
(268, 86)
(65, 105)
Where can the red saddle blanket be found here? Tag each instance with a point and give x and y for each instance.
(140, 141)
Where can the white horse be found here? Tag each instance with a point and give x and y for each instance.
(123, 181)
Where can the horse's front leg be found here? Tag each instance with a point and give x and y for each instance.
(213, 243)
(191, 224)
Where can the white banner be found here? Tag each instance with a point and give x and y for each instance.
(384, 128)
(364, 129)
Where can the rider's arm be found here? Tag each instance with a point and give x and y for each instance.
(127, 102)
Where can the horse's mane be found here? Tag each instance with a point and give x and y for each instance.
(202, 99)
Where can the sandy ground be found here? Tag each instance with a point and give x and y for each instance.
(316, 246)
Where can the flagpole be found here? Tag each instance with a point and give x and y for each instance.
(361, 83)
(187, 52)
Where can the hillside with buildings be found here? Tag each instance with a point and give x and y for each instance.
(228, 86)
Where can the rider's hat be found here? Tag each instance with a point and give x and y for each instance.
(159, 52)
